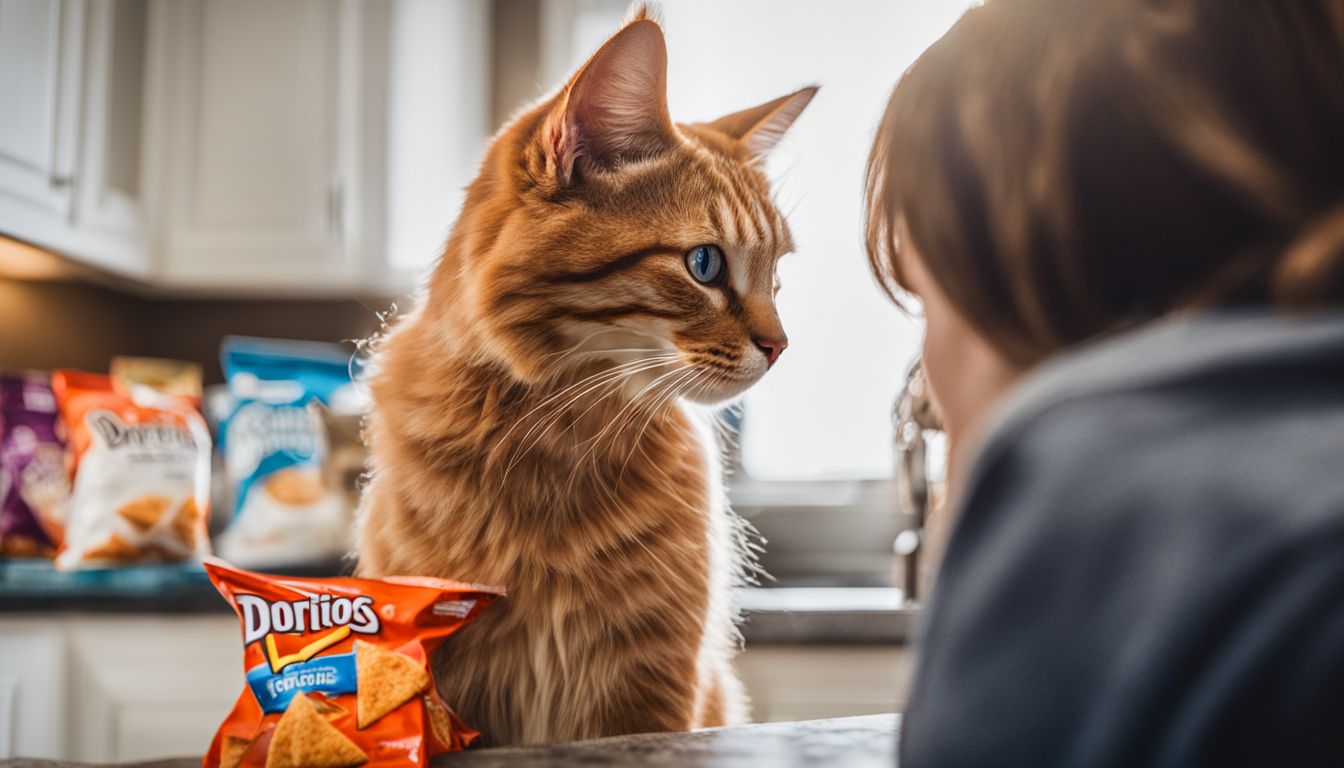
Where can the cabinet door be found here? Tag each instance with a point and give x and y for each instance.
(40, 54)
(147, 687)
(256, 181)
(32, 690)
(108, 217)
(807, 682)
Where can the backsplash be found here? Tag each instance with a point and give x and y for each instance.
(45, 325)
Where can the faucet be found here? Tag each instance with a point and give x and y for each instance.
(912, 416)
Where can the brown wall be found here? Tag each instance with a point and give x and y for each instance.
(515, 56)
(45, 325)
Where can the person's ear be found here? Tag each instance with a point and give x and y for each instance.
(614, 110)
(761, 127)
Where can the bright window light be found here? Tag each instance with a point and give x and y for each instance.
(824, 412)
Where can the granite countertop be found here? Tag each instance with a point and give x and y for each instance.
(773, 615)
(855, 742)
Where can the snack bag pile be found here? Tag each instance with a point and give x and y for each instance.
(33, 482)
(141, 467)
(286, 510)
(337, 670)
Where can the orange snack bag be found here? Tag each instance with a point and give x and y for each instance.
(337, 670)
(141, 474)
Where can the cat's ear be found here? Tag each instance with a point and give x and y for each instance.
(615, 109)
(761, 127)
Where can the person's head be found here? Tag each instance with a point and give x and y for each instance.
(1054, 170)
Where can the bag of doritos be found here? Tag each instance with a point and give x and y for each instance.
(141, 465)
(337, 670)
(286, 510)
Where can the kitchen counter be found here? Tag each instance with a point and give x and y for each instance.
(774, 615)
(857, 742)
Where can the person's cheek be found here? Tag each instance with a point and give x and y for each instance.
(945, 346)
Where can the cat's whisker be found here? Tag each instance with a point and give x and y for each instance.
(615, 423)
(655, 409)
(635, 400)
(632, 400)
(593, 382)
(608, 377)
(615, 371)
(699, 379)
(576, 347)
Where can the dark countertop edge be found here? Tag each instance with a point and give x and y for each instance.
(759, 628)
(829, 627)
(771, 615)
(862, 740)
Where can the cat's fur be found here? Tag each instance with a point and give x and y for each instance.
(509, 446)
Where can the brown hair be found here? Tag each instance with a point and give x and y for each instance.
(1068, 168)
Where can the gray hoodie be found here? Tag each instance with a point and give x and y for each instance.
(1148, 562)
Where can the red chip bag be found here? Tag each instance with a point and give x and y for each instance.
(337, 670)
(141, 463)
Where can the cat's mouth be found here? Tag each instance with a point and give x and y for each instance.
(678, 377)
(717, 382)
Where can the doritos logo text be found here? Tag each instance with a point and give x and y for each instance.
(261, 616)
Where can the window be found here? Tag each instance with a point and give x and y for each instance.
(824, 413)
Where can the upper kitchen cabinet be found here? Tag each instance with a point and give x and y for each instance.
(271, 122)
(242, 147)
(312, 146)
(71, 85)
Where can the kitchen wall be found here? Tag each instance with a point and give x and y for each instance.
(515, 56)
(54, 324)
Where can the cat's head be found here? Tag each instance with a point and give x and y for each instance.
(601, 233)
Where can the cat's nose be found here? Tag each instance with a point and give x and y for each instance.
(772, 346)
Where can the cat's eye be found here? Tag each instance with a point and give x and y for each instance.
(706, 264)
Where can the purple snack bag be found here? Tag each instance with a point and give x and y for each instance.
(33, 481)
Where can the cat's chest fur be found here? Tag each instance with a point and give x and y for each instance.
(607, 528)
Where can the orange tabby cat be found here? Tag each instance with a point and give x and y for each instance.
(531, 422)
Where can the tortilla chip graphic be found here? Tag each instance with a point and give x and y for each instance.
(115, 548)
(327, 708)
(184, 523)
(439, 722)
(304, 739)
(386, 680)
(144, 511)
(232, 750)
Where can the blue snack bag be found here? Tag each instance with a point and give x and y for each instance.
(286, 509)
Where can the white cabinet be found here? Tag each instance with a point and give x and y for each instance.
(807, 682)
(113, 688)
(263, 107)
(145, 687)
(32, 689)
(110, 223)
(71, 78)
(40, 55)
(240, 146)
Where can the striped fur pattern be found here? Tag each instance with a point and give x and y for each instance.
(536, 420)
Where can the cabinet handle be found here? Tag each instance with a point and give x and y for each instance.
(336, 208)
(61, 182)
